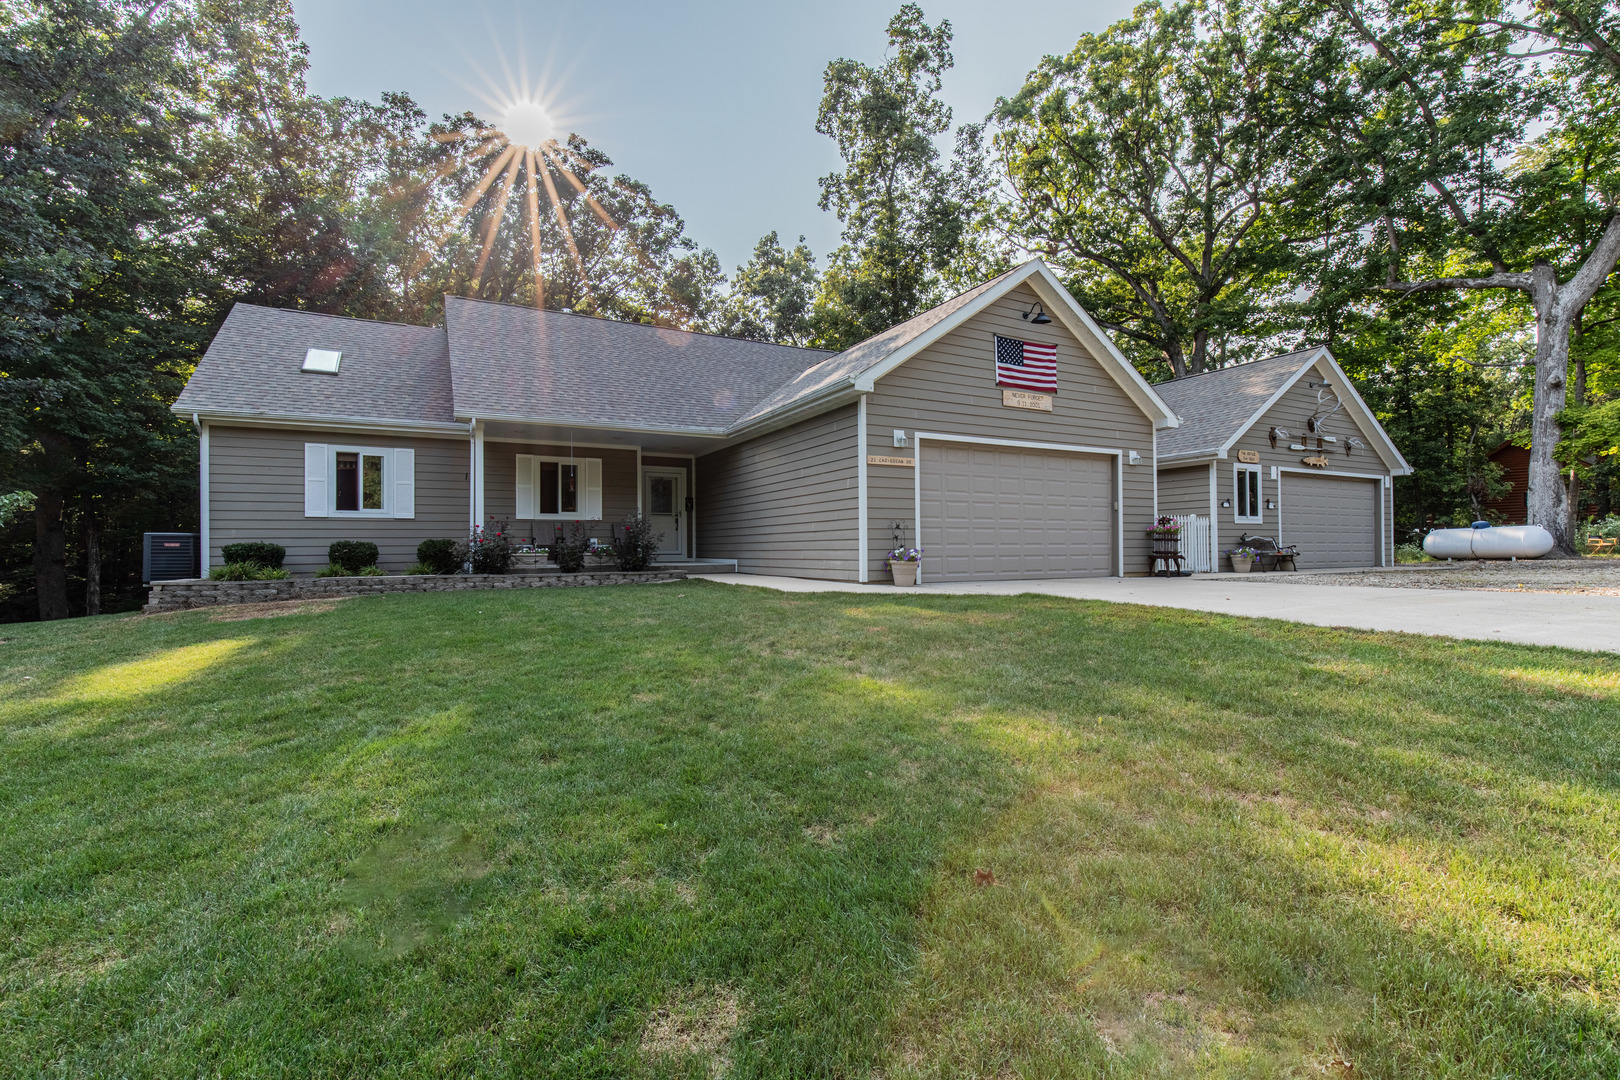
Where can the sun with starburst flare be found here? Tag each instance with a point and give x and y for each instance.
(521, 151)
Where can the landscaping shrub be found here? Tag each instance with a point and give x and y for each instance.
(418, 569)
(332, 570)
(352, 555)
(438, 556)
(255, 551)
(371, 571)
(636, 545)
(1411, 553)
(570, 548)
(247, 571)
(489, 549)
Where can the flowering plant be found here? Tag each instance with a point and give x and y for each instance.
(489, 549)
(530, 549)
(904, 554)
(1240, 552)
(1166, 526)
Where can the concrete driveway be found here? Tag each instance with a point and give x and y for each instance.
(1591, 623)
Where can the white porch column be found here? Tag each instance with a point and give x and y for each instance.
(477, 474)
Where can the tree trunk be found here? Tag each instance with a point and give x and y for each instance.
(50, 556)
(1548, 503)
(92, 557)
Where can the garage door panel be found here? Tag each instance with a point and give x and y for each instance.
(1334, 521)
(1001, 512)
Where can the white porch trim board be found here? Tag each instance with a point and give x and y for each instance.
(861, 524)
(205, 560)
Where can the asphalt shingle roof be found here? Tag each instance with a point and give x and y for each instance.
(507, 360)
(389, 371)
(1216, 405)
(857, 358)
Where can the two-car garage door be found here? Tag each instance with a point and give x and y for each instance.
(1333, 521)
(995, 512)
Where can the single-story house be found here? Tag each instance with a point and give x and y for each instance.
(1283, 448)
(1002, 431)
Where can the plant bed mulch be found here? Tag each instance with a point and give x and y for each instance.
(199, 592)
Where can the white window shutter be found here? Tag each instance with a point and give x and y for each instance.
(315, 464)
(404, 483)
(593, 489)
(526, 509)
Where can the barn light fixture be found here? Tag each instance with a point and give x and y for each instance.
(1037, 315)
(1271, 504)
(1226, 503)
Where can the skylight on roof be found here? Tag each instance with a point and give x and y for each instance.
(322, 360)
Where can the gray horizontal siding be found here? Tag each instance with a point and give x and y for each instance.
(256, 492)
(1184, 491)
(784, 503)
(950, 388)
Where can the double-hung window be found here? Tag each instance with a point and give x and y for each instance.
(558, 488)
(1246, 495)
(359, 481)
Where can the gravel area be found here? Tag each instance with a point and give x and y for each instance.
(1589, 577)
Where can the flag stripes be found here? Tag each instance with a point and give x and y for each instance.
(1026, 365)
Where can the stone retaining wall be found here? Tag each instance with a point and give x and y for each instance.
(200, 592)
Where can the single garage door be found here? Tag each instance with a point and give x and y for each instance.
(992, 512)
(1334, 521)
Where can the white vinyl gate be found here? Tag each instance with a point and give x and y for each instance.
(1195, 543)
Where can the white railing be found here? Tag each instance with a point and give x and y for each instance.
(1195, 544)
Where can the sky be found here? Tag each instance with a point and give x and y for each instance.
(711, 102)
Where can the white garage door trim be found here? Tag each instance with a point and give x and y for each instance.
(1024, 444)
(1383, 486)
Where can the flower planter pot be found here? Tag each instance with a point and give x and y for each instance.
(1241, 565)
(905, 573)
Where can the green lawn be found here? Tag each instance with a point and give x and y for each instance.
(692, 830)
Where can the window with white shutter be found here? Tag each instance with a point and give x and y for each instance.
(552, 488)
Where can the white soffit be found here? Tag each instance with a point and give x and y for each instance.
(324, 361)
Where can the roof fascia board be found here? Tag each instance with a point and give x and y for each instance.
(1196, 457)
(1124, 372)
(836, 395)
(1393, 457)
(1287, 384)
(866, 380)
(429, 428)
(595, 425)
(1075, 320)
(1389, 453)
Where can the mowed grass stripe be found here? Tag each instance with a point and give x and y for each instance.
(691, 829)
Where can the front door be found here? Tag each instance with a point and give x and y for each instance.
(664, 496)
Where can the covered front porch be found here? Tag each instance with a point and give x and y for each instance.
(538, 480)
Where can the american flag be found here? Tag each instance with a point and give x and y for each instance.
(1026, 365)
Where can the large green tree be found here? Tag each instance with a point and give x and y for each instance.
(1422, 118)
(95, 328)
(906, 214)
(1148, 163)
(772, 297)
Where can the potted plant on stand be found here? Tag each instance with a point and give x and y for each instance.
(903, 563)
(1166, 536)
(1242, 559)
